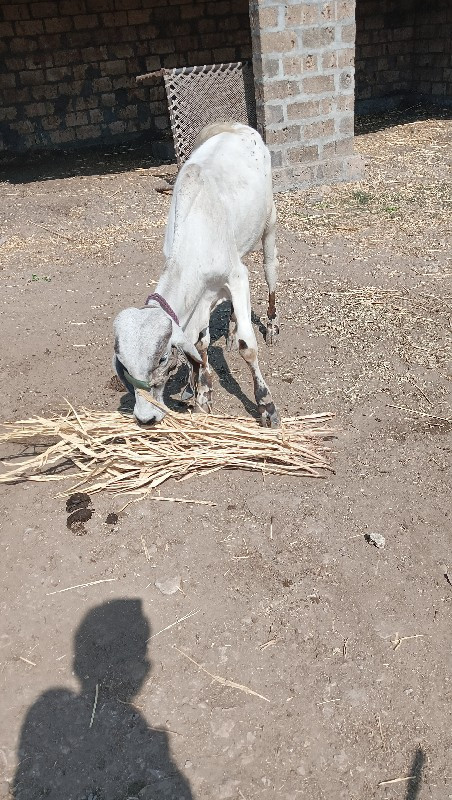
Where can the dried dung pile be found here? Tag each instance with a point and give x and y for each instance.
(110, 451)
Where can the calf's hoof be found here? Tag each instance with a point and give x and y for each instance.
(271, 334)
(270, 416)
(203, 403)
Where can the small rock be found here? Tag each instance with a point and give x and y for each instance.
(169, 586)
(111, 518)
(376, 539)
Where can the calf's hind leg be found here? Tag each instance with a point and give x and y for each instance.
(248, 350)
(271, 276)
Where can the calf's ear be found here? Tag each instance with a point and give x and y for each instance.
(179, 340)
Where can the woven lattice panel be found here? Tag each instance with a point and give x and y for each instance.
(198, 96)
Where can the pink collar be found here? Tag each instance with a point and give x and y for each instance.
(163, 304)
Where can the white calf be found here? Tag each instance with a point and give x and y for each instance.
(222, 207)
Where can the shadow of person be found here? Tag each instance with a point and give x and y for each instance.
(414, 787)
(72, 748)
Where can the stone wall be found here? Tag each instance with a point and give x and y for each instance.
(68, 67)
(303, 58)
(403, 51)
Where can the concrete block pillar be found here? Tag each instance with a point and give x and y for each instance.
(303, 61)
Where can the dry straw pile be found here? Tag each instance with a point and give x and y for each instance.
(110, 451)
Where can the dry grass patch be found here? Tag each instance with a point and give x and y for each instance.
(110, 451)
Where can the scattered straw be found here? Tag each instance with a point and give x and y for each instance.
(81, 586)
(419, 389)
(324, 702)
(167, 500)
(27, 661)
(182, 619)
(422, 413)
(145, 548)
(95, 705)
(55, 233)
(397, 780)
(390, 207)
(223, 681)
(397, 641)
(270, 642)
(110, 451)
(381, 731)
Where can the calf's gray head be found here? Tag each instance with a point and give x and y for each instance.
(146, 345)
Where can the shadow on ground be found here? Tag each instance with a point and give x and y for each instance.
(414, 786)
(96, 744)
(405, 113)
(48, 166)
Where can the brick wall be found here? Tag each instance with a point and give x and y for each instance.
(384, 48)
(403, 51)
(432, 52)
(68, 67)
(303, 57)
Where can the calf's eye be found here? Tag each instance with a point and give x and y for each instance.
(163, 359)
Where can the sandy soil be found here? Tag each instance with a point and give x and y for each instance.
(347, 647)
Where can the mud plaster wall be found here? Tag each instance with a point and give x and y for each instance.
(403, 50)
(68, 68)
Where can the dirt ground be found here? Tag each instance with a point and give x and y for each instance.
(108, 689)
